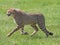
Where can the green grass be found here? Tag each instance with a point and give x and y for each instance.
(51, 11)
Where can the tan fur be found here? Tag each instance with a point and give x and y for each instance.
(22, 18)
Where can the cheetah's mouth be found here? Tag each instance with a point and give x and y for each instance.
(8, 14)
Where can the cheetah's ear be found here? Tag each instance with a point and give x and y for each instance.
(14, 10)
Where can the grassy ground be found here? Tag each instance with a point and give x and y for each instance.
(51, 11)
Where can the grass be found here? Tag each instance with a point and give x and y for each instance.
(51, 11)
